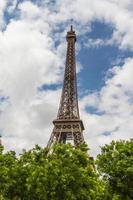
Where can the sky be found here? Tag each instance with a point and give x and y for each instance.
(32, 56)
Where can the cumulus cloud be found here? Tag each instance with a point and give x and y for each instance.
(31, 123)
(113, 106)
(30, 58)
(3, 4)
(112, 12)
(95, 43)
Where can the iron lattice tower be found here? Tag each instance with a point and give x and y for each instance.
(68, 127)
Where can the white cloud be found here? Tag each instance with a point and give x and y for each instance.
(29, 124)
(27, 60)
(83, 12)
(114, 108)
(11, 6)
(29, 10)
(95, 43)
(3, 4)
(118, 14)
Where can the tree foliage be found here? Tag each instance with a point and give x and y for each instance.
(65, 174)
(115, 164)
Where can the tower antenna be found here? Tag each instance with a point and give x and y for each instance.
(71, 22)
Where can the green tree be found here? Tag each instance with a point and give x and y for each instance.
(65, 174)
(115, 165)
(7, 166)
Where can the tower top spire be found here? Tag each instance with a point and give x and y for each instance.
(71, 22)
(71, 34)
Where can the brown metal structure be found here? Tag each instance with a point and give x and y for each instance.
(68, 127)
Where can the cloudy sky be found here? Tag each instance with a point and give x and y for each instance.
(32, 56)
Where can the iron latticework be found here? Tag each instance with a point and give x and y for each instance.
(68, 126)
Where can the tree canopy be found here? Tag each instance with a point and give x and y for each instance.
(115, 164)
(68, 173)
(65, 174)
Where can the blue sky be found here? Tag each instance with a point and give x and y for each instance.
(97, 60)
(32, 60)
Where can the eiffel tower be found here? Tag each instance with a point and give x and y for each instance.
(68, 127)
